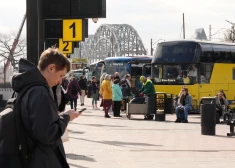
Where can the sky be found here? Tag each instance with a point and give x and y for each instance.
(152, 19)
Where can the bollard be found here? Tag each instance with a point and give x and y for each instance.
(208, 119)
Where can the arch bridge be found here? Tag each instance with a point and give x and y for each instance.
(111, 40)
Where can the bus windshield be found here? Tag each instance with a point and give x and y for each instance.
(176, 52)
(175, 74)
(95, 71)
(77, 73)
(113, 66)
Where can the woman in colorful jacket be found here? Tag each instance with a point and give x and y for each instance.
(106, 92)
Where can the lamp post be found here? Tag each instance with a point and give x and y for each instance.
(233, 31)
(152, 44)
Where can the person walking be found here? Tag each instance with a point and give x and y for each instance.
(39, 113)
(73, 91)
(117, 98)
(94, 92)
(83, 86)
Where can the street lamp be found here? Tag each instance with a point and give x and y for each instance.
(152, 44)
(232, 35)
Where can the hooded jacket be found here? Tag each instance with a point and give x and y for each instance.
(40, 118)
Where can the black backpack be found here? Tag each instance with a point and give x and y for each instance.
(74, 89)
(15, 143)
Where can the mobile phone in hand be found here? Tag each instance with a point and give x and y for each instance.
(80, 111)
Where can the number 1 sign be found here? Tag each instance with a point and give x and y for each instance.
(72, 30)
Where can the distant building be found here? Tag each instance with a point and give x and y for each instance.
(200, 34)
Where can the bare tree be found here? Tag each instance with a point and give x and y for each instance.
(6, 42)
(229, 36)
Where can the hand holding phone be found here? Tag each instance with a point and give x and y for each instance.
(80, 111)
(72, 114)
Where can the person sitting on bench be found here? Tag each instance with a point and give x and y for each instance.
(221, 104)
(185, 105)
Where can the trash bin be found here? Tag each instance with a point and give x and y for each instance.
(208, 116)
(169, 104)
(160, 106)
(151, 105)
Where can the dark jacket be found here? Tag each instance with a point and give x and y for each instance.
(148, 88)
(94, 87)
(64, 98)
(125, 91)
(40, 118)
(118, 78)
(65, 83)
(82, 84)
(72, 84)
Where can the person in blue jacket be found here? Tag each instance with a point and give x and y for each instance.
(117, 98)
(185, 105)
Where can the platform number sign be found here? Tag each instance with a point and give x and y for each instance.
(72, 30)
(66, 47)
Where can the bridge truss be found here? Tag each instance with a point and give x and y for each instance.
(111, 40)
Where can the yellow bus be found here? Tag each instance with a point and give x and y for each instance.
(204, 67)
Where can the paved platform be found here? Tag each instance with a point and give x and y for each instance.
(98, 142)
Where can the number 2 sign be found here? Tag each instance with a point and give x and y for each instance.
(72, 30)
(66, 47)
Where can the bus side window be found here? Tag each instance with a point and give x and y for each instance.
(205, 73)
(148, 70)
(207, 56)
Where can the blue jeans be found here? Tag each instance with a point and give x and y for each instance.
(186, 110)
(94, 98)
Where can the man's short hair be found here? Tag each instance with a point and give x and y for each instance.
(53, 56)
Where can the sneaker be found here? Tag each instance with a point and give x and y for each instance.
(177, 120)
(107, 116)
(97, 108)
(184, 121)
